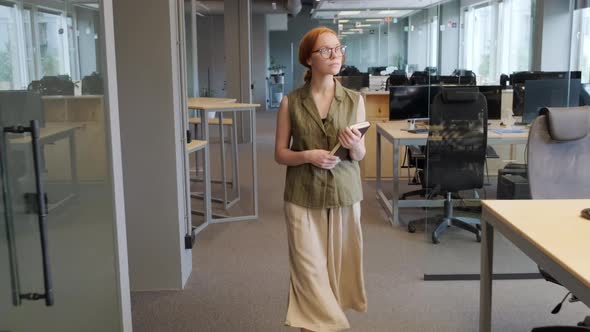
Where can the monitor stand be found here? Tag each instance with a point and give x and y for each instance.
(412, 122)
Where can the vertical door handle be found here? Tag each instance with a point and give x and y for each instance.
(41, 210)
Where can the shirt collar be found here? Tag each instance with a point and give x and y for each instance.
(338, 90)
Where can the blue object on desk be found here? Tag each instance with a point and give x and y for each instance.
(508, 130)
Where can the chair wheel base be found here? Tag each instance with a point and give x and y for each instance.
(435, 239)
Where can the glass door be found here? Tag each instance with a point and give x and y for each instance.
(59, 266)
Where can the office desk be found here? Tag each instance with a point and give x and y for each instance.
(551, 232)
(51, 133)
(233, 108)
(393, 133)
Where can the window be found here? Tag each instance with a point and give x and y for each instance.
(9, 60)
(433, 36)
(581, 43)
(37, 41)
(480, 43)
(53, 44)
(496, 38)
(515, 31)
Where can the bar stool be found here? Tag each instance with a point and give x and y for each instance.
(234, 183)
(192, 147)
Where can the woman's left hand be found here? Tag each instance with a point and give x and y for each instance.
(349, 138)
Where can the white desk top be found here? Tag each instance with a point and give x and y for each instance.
(555, 227)
(394, 130)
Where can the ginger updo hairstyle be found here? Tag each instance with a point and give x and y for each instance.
(306, 47)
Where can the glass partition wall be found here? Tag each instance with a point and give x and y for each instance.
(499, 64)
(57, 231)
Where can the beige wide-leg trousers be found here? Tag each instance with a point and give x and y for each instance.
(326, 263)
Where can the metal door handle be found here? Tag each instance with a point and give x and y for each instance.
(42, 212)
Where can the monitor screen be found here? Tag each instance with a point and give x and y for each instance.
(355, 82)
(585, 94)
(493, 94)
(549, 93)
(518, 80)
(412, 101)
(408, 102)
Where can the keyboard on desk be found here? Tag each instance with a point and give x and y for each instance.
(418, 131)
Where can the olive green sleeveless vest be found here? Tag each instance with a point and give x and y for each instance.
(310, 186)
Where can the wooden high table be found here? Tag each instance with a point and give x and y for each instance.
(393, 132)
(197, 101)
(233, 108)
(49, 134)
(551, 232)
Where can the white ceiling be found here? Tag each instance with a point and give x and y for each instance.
(374, 4)
(330, 9)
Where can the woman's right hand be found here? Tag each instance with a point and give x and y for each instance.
(322, 159)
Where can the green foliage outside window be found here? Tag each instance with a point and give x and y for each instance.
(50, 65)
(5, 64)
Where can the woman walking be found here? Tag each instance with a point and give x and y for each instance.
(322, 193)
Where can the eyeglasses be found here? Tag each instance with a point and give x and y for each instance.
(327, 52)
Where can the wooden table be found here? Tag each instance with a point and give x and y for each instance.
(197, 101)
(551, 232)
(393, 132)
(233, 108)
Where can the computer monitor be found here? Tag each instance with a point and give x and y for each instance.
(355, 82)
(517, 80)
(19, 107)
(585, 94)
(549, 93)
(376, 71)
(411, 101)
(493, 94)
(407, 102)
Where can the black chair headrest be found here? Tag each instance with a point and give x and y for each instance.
(459, 95)
(567, 123)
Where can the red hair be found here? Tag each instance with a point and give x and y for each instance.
(306, 47)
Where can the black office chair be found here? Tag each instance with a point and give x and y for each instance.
(466, 77)
(398, 77)
(558, 144)
(419, 78)
(455, 151)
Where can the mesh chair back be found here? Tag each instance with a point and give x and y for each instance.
(558, 154)
(457, 140)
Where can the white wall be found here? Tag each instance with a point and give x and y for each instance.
(449, 38)
(259, 60)
(211, 54)
(556, 35)
(149, 94)
(418, 39)
(89, 57)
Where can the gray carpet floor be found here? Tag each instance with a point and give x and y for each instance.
(240, 274)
